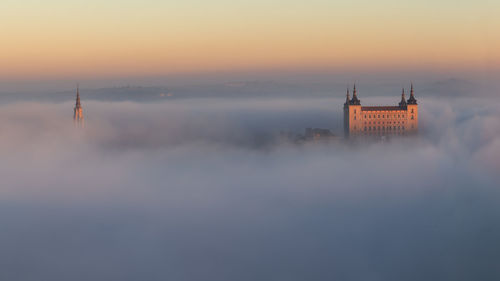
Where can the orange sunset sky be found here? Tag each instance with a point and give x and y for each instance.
(57, 38)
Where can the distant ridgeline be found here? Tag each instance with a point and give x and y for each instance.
(380, 120)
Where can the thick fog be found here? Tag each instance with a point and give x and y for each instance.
(206, 189)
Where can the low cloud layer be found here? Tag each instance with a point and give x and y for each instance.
(203, 189)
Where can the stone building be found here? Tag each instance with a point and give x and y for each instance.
(361, 120)
(78, 111)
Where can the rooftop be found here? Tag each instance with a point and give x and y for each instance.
(381, 108)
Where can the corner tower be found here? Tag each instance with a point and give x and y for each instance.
(78, 111)
(412, 107)
(352, 114)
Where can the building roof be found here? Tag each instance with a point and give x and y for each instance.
(381, 108)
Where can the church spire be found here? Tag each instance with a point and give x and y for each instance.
(355, 99)
(412, 99)
(78, 105)
(347, 99)
(78, 111)
(403, 99)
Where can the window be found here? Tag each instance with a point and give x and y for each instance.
(383, 116)
(399, 116)
(412, 117)
(365, 115)
(354, 111)
(379, 116)
(412, 110)
(354, 117)
(369, 116)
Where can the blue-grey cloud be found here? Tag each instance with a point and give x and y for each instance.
(203, 189)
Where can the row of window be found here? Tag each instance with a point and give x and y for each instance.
(383, 116)
(383, 122)
(383, 128)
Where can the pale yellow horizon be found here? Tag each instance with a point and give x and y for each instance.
(88, 38)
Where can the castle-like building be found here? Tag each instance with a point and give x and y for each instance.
(380, 120)
(78, 111)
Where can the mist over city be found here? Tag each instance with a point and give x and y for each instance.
(206, 189)
(249, 140)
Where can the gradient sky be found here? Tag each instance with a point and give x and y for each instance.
(92, 38)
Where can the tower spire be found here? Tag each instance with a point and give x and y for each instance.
(78, 111)
(355, 99)
(78, 105)
(412, 99)
(347, 99)
(403, 99)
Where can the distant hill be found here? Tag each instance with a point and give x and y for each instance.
(244, 89)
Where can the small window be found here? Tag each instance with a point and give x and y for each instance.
(412, 117)
(412, 110)
(365, 115)
(383, 116)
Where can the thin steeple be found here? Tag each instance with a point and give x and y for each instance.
(412, 99)
(78, 111)
(355, 99)
(347, 99)
(78, 105)
(403, 99)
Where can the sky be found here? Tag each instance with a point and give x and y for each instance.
(184, 171)
(56, 39)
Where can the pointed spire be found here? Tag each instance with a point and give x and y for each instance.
(347, 99)
(412, 99)
(355, 99)
(403, 99)
(77, 96)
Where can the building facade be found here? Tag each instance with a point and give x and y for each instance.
(78, 111)
(380, 120)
